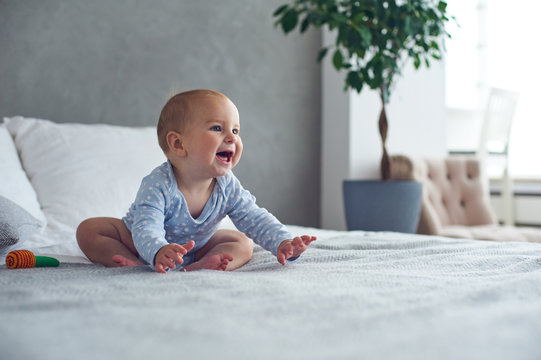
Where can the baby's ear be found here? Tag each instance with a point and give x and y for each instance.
(174, 141)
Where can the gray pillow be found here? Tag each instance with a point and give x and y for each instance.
(16, 224)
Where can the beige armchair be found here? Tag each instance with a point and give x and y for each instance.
(454, 202)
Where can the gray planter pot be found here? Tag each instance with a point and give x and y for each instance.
(374, 205)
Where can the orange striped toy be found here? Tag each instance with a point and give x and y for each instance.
(20, 259)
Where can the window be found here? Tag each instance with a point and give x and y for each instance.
(495, 45)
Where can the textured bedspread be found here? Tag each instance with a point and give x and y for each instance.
(350, 296)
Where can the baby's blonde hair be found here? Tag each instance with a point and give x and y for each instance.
(176, 112)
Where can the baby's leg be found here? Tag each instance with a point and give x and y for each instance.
(107, 241)
(226, 250)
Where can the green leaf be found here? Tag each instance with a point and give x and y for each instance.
(359, 18)
(354, 81)
(417, 62)
(322, 54)
(442, 5)
(366, 35)
(407, 25)
(289, 20)
(280, 10)
(337, 59)
(306, 23)
(339, 18)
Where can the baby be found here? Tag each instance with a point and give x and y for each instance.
(175, 216)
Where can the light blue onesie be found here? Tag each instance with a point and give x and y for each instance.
(159, 215)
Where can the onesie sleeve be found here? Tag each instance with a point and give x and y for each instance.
(256, 222)
(148, 213)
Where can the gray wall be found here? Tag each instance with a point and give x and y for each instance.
(117, 61)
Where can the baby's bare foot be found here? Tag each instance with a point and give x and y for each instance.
(213, 262)
(123, 261)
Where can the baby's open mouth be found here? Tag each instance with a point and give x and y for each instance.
(225, 156)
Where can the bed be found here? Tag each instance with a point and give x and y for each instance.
(351, 295)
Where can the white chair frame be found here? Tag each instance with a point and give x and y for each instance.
(494, 142)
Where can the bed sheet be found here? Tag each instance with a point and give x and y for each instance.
(352, 295)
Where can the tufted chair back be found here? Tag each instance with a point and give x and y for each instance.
(453, 193)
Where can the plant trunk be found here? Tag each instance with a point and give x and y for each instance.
(385, 165)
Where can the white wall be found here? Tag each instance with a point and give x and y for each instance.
(351, 148)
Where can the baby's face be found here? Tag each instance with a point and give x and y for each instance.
(212, 139)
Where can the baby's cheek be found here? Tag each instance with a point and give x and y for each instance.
(238, 154)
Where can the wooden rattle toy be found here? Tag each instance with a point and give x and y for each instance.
(20, 259)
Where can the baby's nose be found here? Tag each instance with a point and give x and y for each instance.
(230, 137)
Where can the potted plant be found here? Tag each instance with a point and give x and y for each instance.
(374, 41)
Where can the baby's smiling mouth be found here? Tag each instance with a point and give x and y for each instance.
(225, 156)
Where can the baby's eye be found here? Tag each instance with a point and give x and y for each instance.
(236, 131)
(216, 128)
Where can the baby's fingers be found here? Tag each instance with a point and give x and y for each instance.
(302, 242)
(176, 251)
(284, 253)
(188, 246)
(282, 258)
(182, 249)
(297, 243)
(307, 239)
(169, 259)
(160, 269)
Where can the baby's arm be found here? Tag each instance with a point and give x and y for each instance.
(261, 226)
(293, 248)
(170, 254)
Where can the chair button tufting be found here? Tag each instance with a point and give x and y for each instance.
(462, 203)
(448, 176)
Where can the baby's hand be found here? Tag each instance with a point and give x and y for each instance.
(293, 248)
(170, 254)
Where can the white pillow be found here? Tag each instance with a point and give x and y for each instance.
(81, 171)
(16, 225)
(14, 183)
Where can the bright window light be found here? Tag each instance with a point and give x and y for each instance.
(495, 45)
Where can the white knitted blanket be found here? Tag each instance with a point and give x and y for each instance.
(350, 296)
